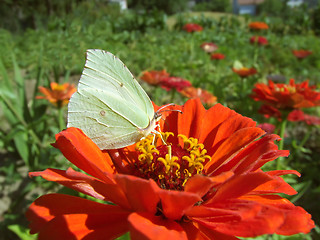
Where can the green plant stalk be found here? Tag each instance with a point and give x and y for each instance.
(305, 139)
(281, 143)
(61, 122)
(21, 120)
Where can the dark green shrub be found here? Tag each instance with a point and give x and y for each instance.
(167, 6)
(272, 7)
(213, 5)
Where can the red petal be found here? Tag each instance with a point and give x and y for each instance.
(215, 116)
(297, 220)
(190, 121)
(145, 226)
(176, 203)
(231, 146)
(199, 185)
(85, 184)
(240, 185)
(84, 153)
(140, 193)
(254, 156)
(58, 216)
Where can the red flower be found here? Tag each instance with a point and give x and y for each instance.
(209, 47)
(217, 56)
(259, 40)
(205, 97)
(154, 77)
(245, 72)
(205, 183)
(192, 27)
(299, 116)
(270, 111)
(258, 26)
(287, 96)
(59, 94)
(267, 127)
(174, 83)
(300, 54)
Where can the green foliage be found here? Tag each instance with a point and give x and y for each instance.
(168, 6)
(214, 5)
(272, 7)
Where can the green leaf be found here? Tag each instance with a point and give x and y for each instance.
(22, 232)
(21, 142)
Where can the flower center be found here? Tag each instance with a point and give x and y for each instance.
(170, 165)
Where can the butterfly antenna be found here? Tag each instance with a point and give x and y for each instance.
(159, 111)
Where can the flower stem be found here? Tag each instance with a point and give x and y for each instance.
(61, 121)
(281, 143)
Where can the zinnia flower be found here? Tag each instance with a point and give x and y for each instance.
(59, 94)
(259, 40)
(287, 96)
(258, 26)
(204, 183)
(209, 47)
(192, 27)
(267, 127)
(174, 83)
(299, 116)
(269, 111)
(217, 56)
(244, 72)
(154, 77)
(300, 54)
(204, 96)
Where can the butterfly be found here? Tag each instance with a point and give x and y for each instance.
(110, 106)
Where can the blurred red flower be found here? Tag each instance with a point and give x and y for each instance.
(204, 96)
(154, 77)
(244, 72)
(267, 127)
(217, 56)
(209, 47)
(269, 111)
(299, 116)
(258, 26)
(174, 83)
(57, 94)
(206, 182)
(192, 27)
(300, 54)
(259, 40)
(287, 96)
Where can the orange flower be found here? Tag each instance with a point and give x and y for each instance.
(300, 54)
(258, 26)
(204, 183)
(287, 96)
(244, 72)
(192, 27)
(154, 77)
(58, 95)
(209, 47)
(205, 97)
